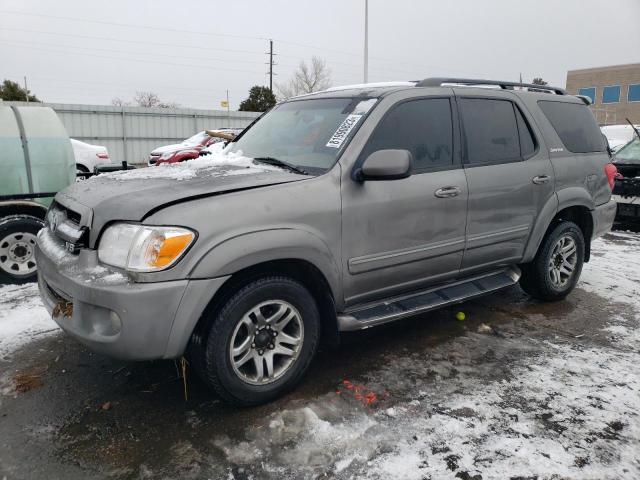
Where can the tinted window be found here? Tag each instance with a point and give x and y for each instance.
(633, 95)
(527, 143)
(575, 125)
(490, 129)
(424, 127)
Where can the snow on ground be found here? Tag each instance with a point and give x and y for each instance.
(526, 404)
(22, 317)
(563, 408)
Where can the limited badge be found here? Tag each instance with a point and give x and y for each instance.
(343, 131)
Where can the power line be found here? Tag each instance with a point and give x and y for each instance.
(130, 25)
(138, 60)
(128, 52)
(160, 44)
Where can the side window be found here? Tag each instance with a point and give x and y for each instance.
(527, 143)
(491, 130)
(424, 127)
(575, 125)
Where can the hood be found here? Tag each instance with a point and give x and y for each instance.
(132, 195)
(173, 148)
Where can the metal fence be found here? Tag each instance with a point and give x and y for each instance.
(130, 133)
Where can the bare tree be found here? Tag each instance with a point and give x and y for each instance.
(151, 99)
(118, 102)
(307, 79)
(146, 99)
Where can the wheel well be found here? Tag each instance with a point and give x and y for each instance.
(300, 270)
(34, 210)
(581, 216)
(81, 167)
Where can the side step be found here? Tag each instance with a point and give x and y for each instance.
(420, 302)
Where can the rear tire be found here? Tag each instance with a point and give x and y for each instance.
(556, 268)
(17, 248)
(260, 342)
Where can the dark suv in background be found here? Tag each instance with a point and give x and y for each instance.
(335, 211)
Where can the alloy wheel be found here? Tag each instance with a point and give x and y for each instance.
(266, 342)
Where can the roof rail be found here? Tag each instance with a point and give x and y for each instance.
(437, 82)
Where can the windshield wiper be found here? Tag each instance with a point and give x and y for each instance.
(279, 163)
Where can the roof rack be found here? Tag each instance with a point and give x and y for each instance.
(437, 82)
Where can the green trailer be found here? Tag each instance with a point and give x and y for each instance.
(37, 161)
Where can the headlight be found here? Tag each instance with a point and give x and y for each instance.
(143, 248)
(167, 155)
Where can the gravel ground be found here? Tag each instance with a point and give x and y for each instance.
(520, 390)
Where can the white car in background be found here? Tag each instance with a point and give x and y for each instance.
(618, 135)
(88, 156)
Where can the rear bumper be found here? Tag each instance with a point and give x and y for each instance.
(603, 217)
(117, 317)
(628, 209)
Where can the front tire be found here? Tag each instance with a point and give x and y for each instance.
(556, 268)
(261, 341)
(17, 248)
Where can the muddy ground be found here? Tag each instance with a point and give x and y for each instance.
(547, 391)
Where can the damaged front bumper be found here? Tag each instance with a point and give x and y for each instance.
(106, 311)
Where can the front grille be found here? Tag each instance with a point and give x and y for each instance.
(64, 223)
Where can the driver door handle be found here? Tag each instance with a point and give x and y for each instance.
(447, 192)
(541, 179)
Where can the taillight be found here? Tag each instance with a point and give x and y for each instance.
(103, 155)
(612, 173)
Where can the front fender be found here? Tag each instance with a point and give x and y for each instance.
(249, 249)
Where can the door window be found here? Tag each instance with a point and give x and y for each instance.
(424, 127)
(491, 131)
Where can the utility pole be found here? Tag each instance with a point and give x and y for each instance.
(366, 41)
(26, 91)
(228, 115)
(271, 66)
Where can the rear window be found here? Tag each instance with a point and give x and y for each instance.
(575, 125)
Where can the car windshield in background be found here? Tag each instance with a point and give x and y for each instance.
(197, 139)
(307, 134)
(630, 153)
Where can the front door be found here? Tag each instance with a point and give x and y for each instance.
(401, 235)
(509, 176)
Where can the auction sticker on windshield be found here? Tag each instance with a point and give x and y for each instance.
(343, 131)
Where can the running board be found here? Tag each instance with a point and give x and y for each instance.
(420, 302)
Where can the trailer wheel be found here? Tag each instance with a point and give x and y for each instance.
(17, 248)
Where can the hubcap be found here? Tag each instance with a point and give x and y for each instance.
(266, 342)
(562, 264)
(16, 254)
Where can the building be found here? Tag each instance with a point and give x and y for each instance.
(614, 90)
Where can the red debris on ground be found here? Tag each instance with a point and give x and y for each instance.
(359, 392)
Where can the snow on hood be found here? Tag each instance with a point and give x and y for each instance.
(130, 195)
(216, 164)
(172, 148)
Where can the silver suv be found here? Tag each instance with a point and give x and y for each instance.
(335, 211)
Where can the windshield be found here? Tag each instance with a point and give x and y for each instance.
(630, 153)
(307, 134)
(197, 139)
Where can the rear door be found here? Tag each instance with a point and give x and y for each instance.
(509, 176)
(401, 235)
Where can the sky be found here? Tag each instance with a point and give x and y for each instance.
(191, 52)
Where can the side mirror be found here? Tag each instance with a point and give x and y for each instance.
(385, 165)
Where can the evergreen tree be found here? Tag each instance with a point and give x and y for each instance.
(11, 91)
(260, 99)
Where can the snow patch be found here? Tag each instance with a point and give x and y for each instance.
(22, 317)
(219, 163)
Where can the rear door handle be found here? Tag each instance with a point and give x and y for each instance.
(447, 192)
(540, 179)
